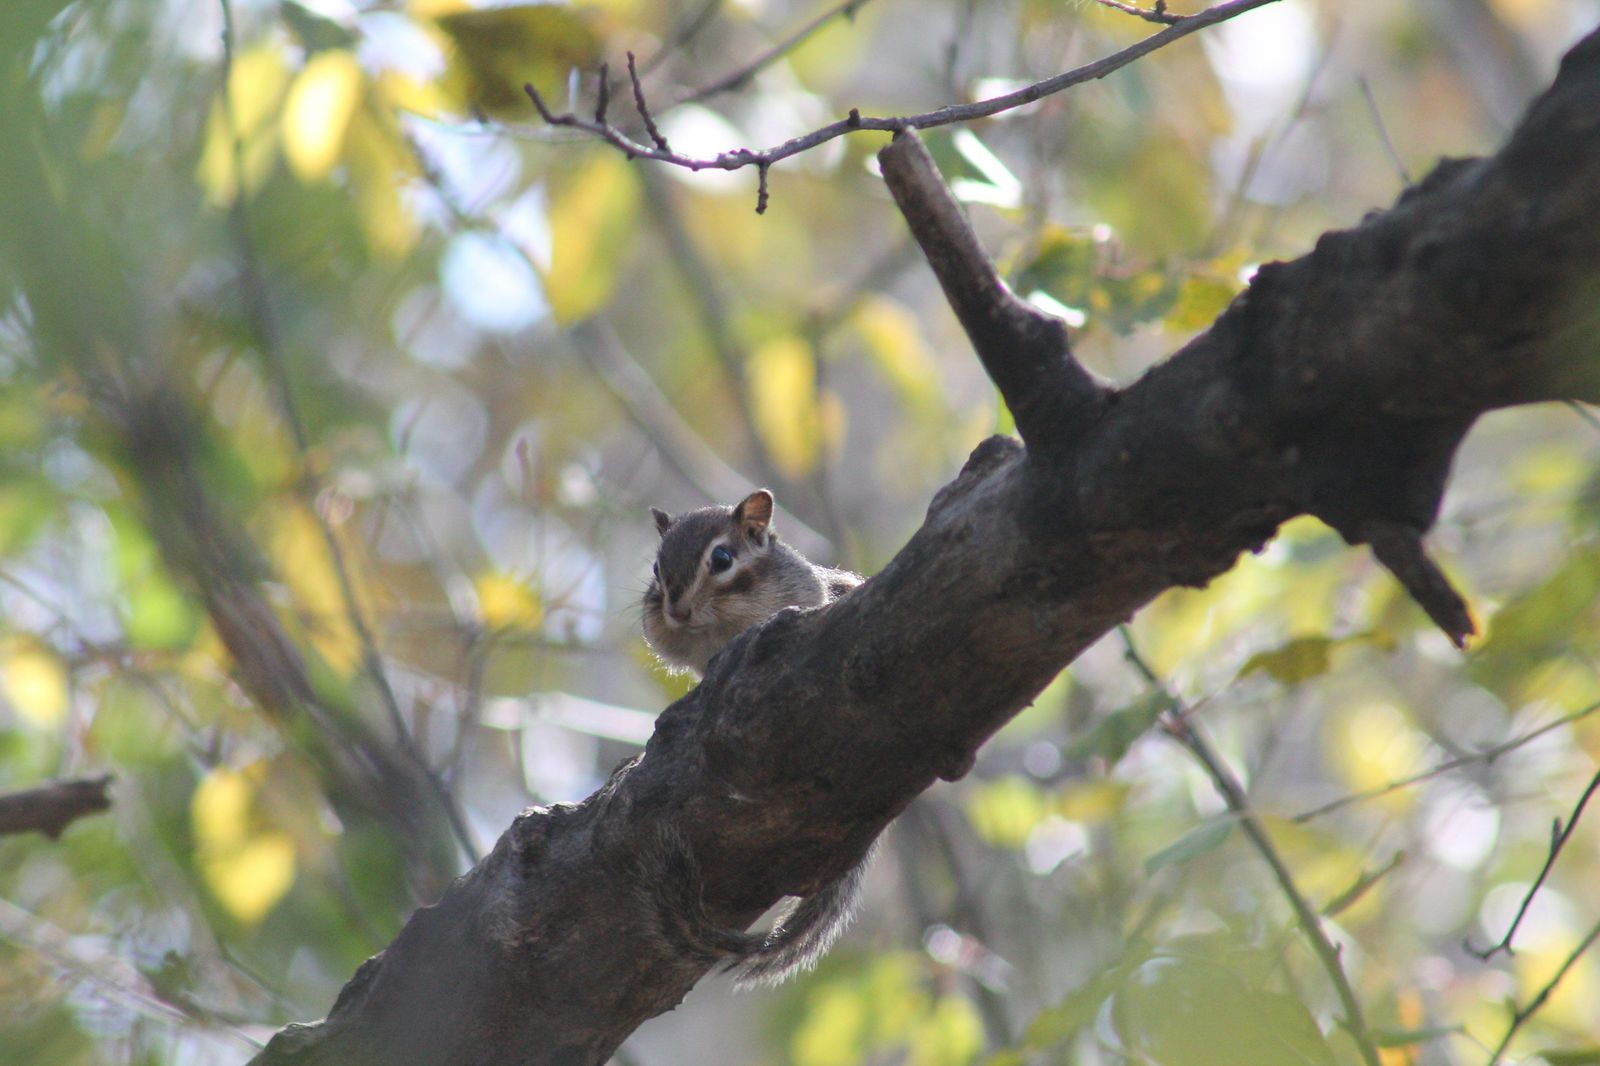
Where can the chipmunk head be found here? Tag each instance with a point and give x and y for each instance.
(706, 563)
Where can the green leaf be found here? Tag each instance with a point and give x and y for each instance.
(1201, 298)
(1589, 1056)
(1113, 735)
(1185, 1011)
(1194, 843)
(1299, 660)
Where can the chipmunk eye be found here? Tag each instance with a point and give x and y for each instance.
(655, 571)
(721, 558)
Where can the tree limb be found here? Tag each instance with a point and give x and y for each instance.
(739, 158)
(1338, 385)
(49, 809)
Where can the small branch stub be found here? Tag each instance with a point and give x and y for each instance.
(49, 809)
(1399, 549)
(1024, 350)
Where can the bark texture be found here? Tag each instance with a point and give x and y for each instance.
(49, 809)
(1339, 385)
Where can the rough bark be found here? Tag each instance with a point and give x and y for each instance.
(1339, 385)
(50, 808)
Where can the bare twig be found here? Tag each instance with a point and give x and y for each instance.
(738, 79)
(1487, 756)
(1383, 131)
(1520, 1015)
(1177, 724)
(643, 107)
(1158, 13)
(1363, 884)
(49, 809)
(1559, 835)
(738, 158)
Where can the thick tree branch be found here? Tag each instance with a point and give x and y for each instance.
(1338, 385)
(49, 809)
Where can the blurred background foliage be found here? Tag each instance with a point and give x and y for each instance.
(333, 390)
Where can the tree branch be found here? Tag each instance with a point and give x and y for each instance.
(1177, 725)
(1559, 835)
(1337, 385)
(738, 158)
(1023, 349)
(49, 809)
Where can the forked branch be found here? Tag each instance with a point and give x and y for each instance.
(739, 158)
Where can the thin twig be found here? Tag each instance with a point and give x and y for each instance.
(1158, 13)
(1487, 756)
(1520, 1016)
(1583, 412)
(1383, 131)
(739, 158)
(1177, 724)
(643, 107)
(1559, 835)
(263, 323)
(739, 78)
(1363, 884)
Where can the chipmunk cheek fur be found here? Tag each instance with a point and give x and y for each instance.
(719, 571)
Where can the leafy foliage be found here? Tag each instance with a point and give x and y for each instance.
(334, 393)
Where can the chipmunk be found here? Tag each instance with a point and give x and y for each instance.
(719, 571)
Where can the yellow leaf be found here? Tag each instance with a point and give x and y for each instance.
(250, 880)
(590, 222)
(220, 808)
(1374, 745)
(35, 684)
(952, 1035)
(247, 869)
(432, 9)
(783, 397)
(301, 557)
(404, 93)
(833, 1029)
(255, 85)
(894, 987)
(899, 351)
(1004, 811)
(504, 601)
(379, 161)
(317, 112)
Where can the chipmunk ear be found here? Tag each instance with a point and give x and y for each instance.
(754, 514)
(663, 520)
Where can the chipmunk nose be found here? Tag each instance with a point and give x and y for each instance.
(678, 612)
